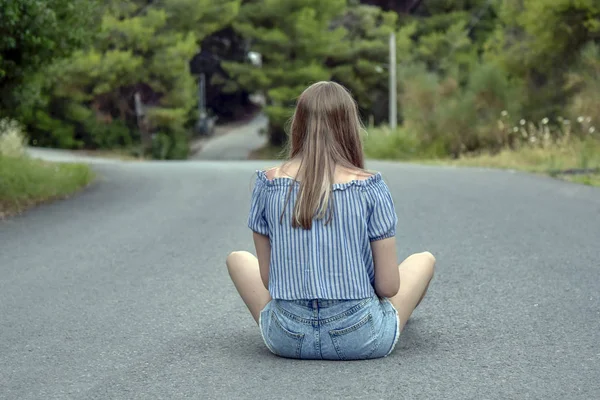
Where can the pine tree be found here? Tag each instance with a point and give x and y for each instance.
(295, 38)
(361, 62)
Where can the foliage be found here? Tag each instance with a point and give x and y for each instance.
(457, 118)
(295, 38)
(564, 149)
(360, 62)
(401, 144)
(462, 64)
(141, 48)
(464, 67)
(540, 57)
(34, 33)
(583, 80)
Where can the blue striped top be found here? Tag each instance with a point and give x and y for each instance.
(332, 261)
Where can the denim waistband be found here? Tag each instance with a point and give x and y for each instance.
(308, 311)
(321, 303)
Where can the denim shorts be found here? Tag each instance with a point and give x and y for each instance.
(330, 329)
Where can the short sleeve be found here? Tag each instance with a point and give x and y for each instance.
(256, 218)
(382, 218)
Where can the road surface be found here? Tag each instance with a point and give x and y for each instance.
(60, 155)
(236, 144)
(121, 292)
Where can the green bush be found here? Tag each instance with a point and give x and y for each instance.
(115, 134)
(584, 80)
(400, 144)
(47, 131)
(458, 119)
(169, 146)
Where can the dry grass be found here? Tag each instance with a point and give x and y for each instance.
(565, 161)
(566, 150)
(577, 161)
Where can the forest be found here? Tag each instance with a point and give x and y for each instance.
(473, 75)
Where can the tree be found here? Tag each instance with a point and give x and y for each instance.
(361, 60)
(33, 33)
(541, 57)
(142, 49)
(225, 102)
(402, 6)
(295, 38)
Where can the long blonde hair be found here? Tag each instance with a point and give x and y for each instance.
(325, 133)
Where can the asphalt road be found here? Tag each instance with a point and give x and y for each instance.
(236, 144)
(121, 292)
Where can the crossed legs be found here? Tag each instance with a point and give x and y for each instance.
(244, 272)
(416, 273)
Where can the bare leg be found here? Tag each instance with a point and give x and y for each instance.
(244, 272)
(415, 274)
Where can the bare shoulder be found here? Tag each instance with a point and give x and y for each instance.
(284, 170)
(345, 175)
(271, 173)
(357, 174)
(363, 175)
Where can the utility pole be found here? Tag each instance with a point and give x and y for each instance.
(393, 83)
(140, 113)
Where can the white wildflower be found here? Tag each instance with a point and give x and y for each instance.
(504, 113)
(588, 119)
(592, 129)
(522, 122)
(516, 129)
(545, 121)
(580, 120)
(532, 139)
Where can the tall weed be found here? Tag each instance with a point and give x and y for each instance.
(461, 118)
(12, 138)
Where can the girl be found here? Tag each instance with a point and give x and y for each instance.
(326, 284)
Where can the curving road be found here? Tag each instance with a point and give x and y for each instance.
(121, 292)
(236, 144)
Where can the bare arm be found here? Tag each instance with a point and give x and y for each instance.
(387, 275)
(263, 253)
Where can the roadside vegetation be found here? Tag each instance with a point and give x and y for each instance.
(481, 82)
(565, 149)
(25, 182)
